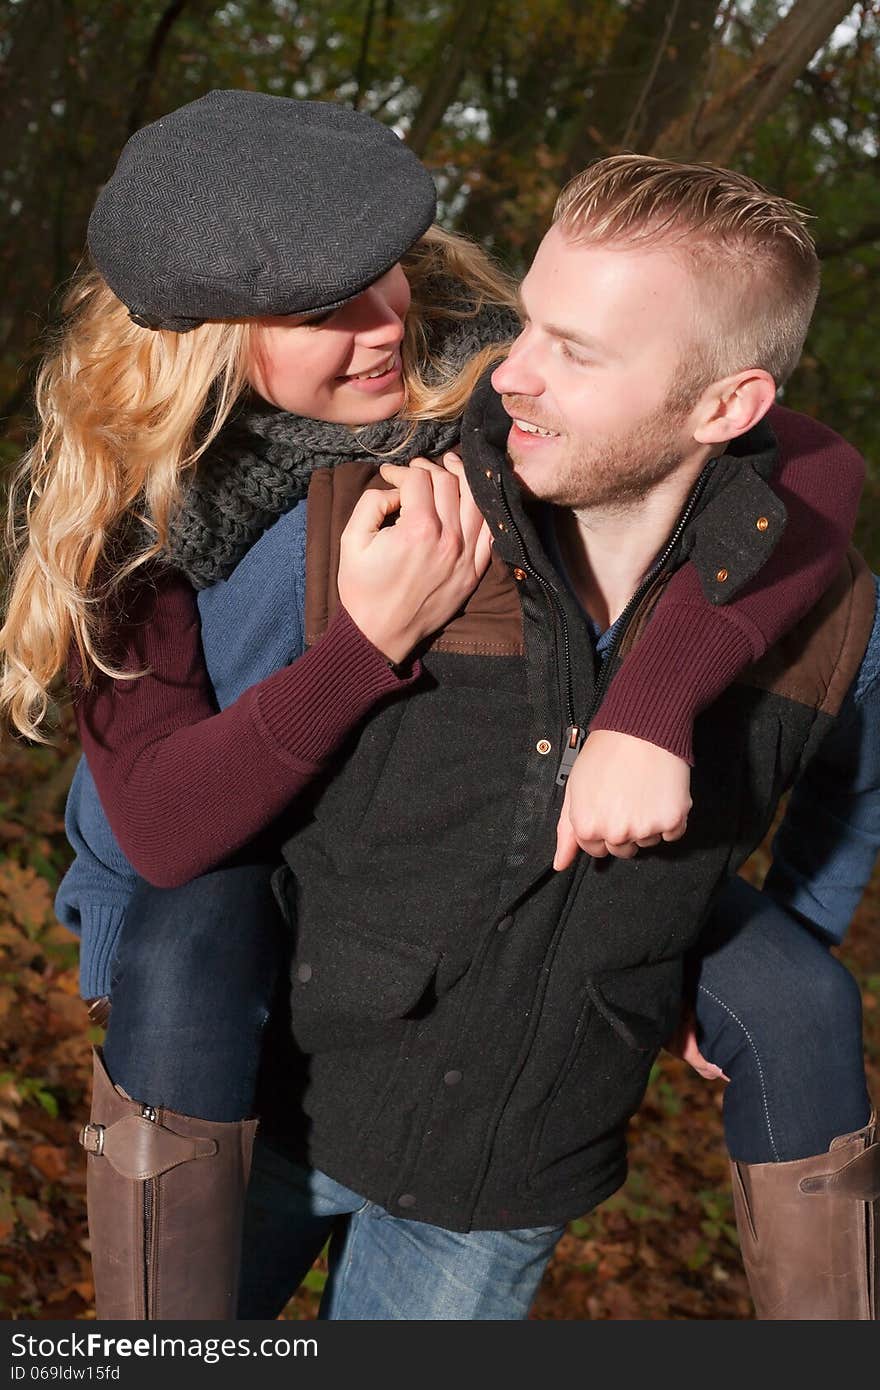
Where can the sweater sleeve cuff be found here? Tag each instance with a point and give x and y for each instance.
(687, 656)
(343, 676)
(100, 925)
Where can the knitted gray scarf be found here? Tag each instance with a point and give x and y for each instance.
(259, 465)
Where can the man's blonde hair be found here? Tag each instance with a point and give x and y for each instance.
(751, 255)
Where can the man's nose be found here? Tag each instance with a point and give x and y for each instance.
(519, 374)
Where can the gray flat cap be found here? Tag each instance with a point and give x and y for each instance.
(240, 205)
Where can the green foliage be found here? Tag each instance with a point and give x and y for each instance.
(31, 1088)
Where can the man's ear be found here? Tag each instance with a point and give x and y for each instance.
(730, 407)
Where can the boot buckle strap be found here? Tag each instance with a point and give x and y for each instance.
(859, 1179)
(140, 1148)
(92, 1138)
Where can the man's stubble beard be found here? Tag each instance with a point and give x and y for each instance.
(615, 475)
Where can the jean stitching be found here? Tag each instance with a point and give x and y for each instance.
(341, 1282)
(728, 1010)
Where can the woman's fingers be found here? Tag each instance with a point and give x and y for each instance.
(418, 505)
(370, 511)
(471, 518)
(627, 850)
(460, 518)
(676, 832)
(483, 549)
(423, 495)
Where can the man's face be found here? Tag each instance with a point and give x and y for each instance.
(599, 364)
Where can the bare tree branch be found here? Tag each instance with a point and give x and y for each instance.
(865, 236)
(635, 114)
(730, 117)
(147, 75)
(363, 56)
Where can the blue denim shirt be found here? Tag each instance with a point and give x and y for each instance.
(823, 854)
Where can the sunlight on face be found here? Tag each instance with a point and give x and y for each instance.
(346, 367)
(592, 382)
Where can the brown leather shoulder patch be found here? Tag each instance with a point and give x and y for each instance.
(817, 661)
(490, 624)
(333, 493)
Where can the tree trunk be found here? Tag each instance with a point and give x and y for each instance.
(648, 80)
(727, 121)
(454, 52)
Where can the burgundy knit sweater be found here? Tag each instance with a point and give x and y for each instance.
(184, 786)
(693, 649)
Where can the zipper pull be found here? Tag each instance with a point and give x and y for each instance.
(573, 746)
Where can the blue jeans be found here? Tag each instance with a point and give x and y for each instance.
(198, 971)
(783, 1019)
(381, 1267)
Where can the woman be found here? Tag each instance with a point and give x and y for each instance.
(196, 235)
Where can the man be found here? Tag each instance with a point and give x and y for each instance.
(479, 1028)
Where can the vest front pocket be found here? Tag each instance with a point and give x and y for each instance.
(624, 1020)
(349, 986)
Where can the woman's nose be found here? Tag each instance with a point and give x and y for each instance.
(376, 318)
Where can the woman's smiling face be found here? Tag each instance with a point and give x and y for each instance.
(345, 367)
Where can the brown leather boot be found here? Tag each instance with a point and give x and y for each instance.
(809, 1231)
(165, 1200)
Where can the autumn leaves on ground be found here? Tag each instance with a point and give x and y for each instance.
(662, 1248)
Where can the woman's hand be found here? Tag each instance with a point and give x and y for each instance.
(683, 1044)
(622, 794)
(401, 583)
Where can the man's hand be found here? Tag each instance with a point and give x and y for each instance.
(401, 583)
(683, 1043)
(623, 794)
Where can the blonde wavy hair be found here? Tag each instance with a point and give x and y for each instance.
(125, 414)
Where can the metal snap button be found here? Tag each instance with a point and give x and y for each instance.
(543, 746)
(304, 972)
(722, 576)
(762, 523)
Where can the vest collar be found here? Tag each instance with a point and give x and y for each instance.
(734, 530)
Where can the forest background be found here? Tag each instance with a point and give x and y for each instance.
(503, 100)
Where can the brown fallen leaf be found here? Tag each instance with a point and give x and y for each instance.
(52, 1162)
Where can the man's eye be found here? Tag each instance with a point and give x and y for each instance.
(573, 356)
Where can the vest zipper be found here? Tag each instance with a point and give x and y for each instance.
(575, 733)
(149, 1205)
